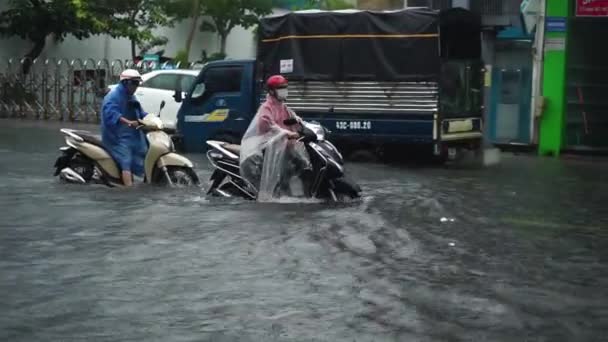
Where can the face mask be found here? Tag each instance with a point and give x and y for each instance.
(282, 94)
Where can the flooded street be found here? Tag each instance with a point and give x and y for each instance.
(513, 253)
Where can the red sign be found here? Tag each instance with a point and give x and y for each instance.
(592, 8)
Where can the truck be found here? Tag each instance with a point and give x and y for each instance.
(380, 81)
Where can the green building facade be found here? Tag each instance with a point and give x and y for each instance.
(575, 77)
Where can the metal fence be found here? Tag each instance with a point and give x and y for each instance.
(61, 89)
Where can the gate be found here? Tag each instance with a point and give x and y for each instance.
(60, 89)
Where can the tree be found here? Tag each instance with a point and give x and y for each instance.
(328, 5)
(331, 5)
(135, 19)
(35, 20)
(224, 15)
(147, 46)
(185, 9)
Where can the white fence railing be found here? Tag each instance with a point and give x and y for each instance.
(61, 89)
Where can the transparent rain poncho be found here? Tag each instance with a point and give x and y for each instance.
(268, 159)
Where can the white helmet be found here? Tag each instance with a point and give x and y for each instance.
(130, 74)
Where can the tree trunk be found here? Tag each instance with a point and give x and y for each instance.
(33, 54)
(133, 50)
(132, 17)
(223, 37)
(197, 13)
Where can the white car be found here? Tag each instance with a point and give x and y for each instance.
(160, 85)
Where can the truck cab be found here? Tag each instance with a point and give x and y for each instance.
(221, 103)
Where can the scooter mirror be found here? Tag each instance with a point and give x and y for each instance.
(178, 96)
(162, 105)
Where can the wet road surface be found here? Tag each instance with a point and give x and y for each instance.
(513, 253)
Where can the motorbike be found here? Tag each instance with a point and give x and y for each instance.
(85, 160)
(328, 180)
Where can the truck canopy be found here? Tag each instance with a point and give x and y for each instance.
(354, 45)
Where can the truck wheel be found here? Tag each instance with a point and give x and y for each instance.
(363, 156)
(439, 160)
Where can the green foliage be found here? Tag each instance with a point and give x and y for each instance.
(182, 58)
(336, 5)
(34, 20)
(135, 19)
(15, 92)
(224, 15)
(180, 9)
(214, 56)
(144, 47)
(328, 5)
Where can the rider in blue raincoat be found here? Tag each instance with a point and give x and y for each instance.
(120, 112)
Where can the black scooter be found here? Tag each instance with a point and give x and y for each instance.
(327, 180)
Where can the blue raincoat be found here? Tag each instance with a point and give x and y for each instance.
(125, 144)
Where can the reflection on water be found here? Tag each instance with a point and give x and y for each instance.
(520, 256)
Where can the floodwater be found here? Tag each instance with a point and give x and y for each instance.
(517, 252)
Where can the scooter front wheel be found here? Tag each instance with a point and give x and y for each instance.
(346, 189)
(180, 176)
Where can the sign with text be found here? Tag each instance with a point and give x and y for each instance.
(555, 44)
(286, 66)
(530, 9)
(555, 24)
(592, 8)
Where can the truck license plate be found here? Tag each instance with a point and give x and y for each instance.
(460, 126)
(354, 125)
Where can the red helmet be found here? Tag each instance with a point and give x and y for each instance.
(276, 81)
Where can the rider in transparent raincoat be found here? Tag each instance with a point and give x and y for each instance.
(270, 153)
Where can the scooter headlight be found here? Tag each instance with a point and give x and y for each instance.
(215, 155)
(317, 128)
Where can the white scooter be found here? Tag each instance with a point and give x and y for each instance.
(85, 160)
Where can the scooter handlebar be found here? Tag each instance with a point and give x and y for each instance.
(142, 126)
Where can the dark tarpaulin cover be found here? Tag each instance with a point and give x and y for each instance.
(356, 46)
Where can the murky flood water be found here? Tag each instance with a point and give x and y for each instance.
(513, 253)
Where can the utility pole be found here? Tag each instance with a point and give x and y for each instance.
(537, 66)
(490, 154)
